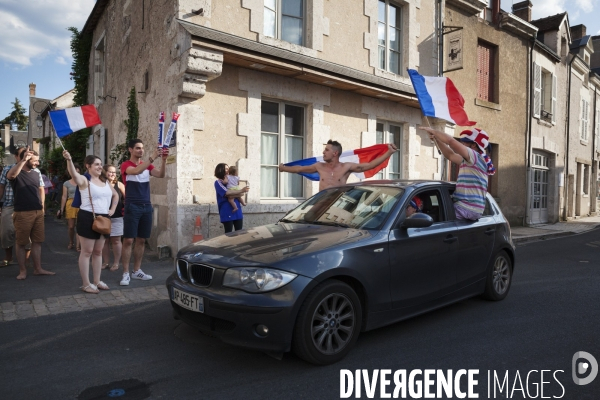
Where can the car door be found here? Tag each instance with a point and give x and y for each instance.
(476, 243)
(423, 260)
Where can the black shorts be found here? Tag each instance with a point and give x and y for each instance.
(85, 219)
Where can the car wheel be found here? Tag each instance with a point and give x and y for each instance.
(499, 277)
(328, 323)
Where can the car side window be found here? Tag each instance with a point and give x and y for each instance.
(433, 205)
(489, 210)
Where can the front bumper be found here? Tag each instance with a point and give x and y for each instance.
(233, 315)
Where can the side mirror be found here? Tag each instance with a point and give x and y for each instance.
(418, 220)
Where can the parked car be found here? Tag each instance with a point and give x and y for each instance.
(345, 261)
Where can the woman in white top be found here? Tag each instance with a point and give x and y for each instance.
(104, 201)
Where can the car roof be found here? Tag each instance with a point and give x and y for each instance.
(405, 183)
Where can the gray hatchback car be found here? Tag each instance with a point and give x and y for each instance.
(346, 260)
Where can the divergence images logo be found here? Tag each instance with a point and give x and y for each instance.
(581, 367)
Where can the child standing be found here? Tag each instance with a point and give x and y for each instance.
(232, 181)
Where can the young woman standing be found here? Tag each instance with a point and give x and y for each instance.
(97, 195)
(70, 213)
(116, 227)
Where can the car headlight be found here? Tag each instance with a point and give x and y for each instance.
(256, 280)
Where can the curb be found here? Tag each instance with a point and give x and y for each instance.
(543, 236)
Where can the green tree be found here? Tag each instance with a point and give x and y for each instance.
(81, 47)
(17, 117)
(120, 152)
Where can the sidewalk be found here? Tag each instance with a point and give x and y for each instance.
(522, 234)
(44, 295)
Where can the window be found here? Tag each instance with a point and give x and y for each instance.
(585, 106)
(486, 13)
(389, 133)
(99, 69)
(284, 19)
(389, 36)
(486, 77)
(544, 95)
(282, 141)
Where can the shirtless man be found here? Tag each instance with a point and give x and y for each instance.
(333, 172)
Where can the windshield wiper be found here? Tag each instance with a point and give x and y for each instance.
(292, 222)
(338, 224)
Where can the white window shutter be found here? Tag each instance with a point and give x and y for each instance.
(554, 110)
(537, 90)
(597, 127)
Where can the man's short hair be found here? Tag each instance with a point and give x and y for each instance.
(133, 142)
(336, 146)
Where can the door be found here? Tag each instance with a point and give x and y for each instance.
(476, 243)
(423, 260)
(539, 189)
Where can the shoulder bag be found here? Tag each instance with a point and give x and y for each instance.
(101, 224)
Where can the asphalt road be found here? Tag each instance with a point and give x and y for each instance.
(140, 351)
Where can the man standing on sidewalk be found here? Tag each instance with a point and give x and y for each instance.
(137, 219)
(7, 228)
(28, 216)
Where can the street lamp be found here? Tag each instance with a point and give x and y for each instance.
(38, 106)
(39, 121)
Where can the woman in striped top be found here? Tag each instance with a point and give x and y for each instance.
(474, 167)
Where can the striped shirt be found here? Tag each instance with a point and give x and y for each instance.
(471, 185)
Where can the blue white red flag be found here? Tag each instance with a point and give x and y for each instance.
(161, 128)
(358, 156)
(169, 135)
(439, 98)
(73, 119)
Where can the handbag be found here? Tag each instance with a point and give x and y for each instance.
(101, 224)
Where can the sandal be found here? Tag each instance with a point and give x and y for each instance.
(70, 246)
(101, 285)
(104, 266)
(6, 263)
(115, 267)
(90, 289)
(78, 248)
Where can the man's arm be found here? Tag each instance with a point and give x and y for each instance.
(15, 170)
(42, 197)
(370, 165)
(298, 168)
(160, 173)
(1, 191)
(460, 151)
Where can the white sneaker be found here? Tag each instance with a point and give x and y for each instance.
(139, 274)
(125, 280)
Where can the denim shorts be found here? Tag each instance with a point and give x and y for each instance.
(137, 221)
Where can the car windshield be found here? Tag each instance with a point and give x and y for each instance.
(360, 207)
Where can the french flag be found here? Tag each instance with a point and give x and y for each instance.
(73, 119)
(439, 98)
(357, 156)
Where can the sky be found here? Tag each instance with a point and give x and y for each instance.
(34, 43)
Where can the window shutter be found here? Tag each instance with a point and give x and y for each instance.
(587, 113)
(537, 90)
(554, 110)
(597, 127)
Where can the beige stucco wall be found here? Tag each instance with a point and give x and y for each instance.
(506, 122)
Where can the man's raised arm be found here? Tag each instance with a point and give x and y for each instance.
(370, 165)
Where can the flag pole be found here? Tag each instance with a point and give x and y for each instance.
(59, 141)
(433, 139)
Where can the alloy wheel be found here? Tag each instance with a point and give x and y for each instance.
(333, 323)
(501, 275)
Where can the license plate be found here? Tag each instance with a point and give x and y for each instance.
(188, 301)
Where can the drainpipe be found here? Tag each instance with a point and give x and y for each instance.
(529, 114)
(594, 165)
(440, 25)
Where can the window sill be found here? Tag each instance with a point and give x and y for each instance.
(488, 104)
(544, 123)
(583, 142)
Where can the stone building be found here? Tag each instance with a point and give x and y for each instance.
(259, 83)
(581, 165)
(547, 150)
(487, 57)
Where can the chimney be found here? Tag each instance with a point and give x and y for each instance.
(577, 31)
(6, 139)
(32, 89)
(523, 10)
(496, 11)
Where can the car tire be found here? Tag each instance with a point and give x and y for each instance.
(328, 323)
(499, 277)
